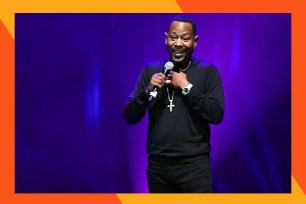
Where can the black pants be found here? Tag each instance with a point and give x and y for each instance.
(179, 175)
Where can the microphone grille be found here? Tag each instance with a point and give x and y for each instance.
(169, 66)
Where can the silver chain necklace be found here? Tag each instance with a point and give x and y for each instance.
(171, 105)
(186, 67)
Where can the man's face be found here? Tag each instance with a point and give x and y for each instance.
(180, 41)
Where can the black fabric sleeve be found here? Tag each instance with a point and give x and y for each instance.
(208, 103)
(135, 108)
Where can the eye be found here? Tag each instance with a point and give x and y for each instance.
(172, 37)
(186, 38)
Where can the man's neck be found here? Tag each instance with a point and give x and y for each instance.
(182, 65)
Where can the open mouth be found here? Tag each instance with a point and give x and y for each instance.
(178, 53)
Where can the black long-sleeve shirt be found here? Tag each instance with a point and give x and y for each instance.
(185, 131)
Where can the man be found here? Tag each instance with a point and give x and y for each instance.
(190, 98)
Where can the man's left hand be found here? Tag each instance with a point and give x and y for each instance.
(177, 79)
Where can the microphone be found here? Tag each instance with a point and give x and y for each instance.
(167, 68)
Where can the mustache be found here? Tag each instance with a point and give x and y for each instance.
(178, 49)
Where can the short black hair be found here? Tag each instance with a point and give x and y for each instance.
(184, 18)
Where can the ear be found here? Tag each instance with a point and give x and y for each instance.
(196, 38)
(166, 36)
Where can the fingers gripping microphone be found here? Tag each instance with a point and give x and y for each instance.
(167, 68)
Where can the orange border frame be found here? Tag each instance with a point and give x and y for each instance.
(295, 7)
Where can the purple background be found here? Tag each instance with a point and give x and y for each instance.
(75, 71)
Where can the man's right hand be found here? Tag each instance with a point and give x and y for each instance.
(157, 80)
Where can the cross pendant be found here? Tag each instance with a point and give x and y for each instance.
(171, 105)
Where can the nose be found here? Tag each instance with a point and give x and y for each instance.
(178, 42)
